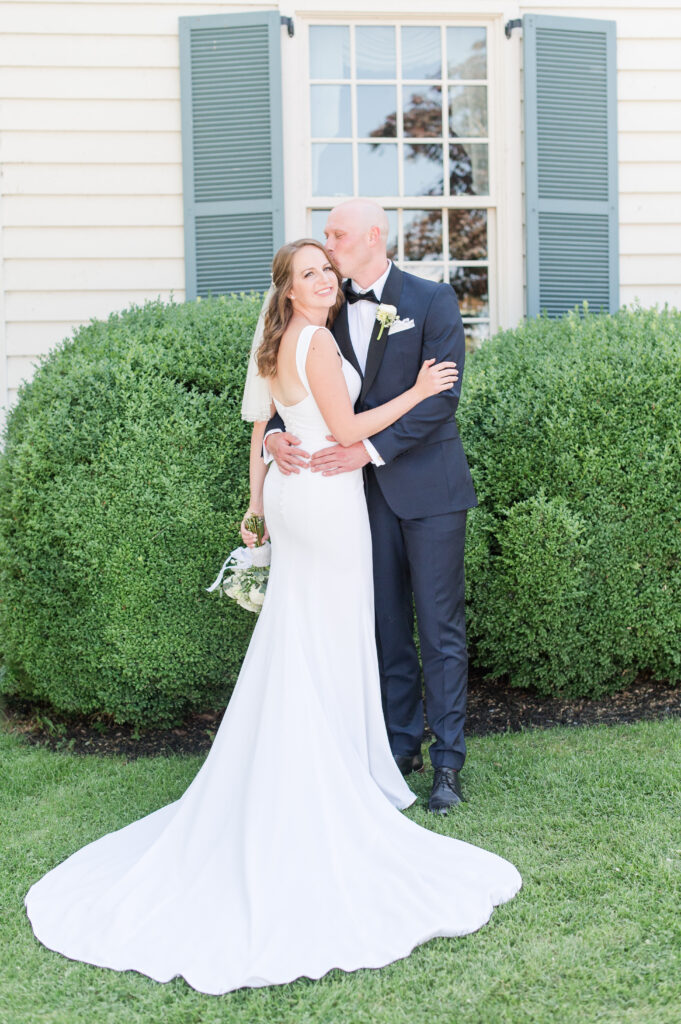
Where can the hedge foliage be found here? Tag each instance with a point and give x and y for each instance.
(124, 477)
(573, 431)
(122, 484)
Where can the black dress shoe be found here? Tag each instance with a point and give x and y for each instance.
(408, 763)
(446, 791)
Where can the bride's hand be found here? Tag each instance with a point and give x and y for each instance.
(249, 538)
(433, 379)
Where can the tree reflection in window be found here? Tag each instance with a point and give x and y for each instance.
(422, 112)
(422, 233)
(468, 234)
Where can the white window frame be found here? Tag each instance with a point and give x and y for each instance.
(504, 203)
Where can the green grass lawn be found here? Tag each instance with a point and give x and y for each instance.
(591, 817)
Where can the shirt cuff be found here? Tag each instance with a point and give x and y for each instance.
(266, 456)
(373, 454)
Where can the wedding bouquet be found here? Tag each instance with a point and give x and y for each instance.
(245, 571)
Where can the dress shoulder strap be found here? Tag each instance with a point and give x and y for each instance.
(302, 348)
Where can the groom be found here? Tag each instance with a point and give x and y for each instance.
(418, 488)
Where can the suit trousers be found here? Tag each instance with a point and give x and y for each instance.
(424, 558)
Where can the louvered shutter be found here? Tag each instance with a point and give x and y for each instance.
(230, 70)
(570, 102)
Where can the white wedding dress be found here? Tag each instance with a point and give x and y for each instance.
(287, 855)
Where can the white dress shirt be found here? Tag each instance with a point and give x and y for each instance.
(361, 319)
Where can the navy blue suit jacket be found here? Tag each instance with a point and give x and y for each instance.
(425, 471)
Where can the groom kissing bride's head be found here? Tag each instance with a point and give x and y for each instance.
(356, 239)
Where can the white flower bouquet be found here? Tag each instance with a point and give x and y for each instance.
(244, 576)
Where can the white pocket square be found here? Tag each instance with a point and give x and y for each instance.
(401, 325)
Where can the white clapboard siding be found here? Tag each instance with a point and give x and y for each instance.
(649, 85)
(81, 211)
(651, 295)
(650, 177)
(95, 147)
(655, 147)
(93, 83)
(93, 18)
(638, 239)
(74, 306)
(650, 270)
(638, 54)
(78, 51)
(92, 179)
(651, 210)
(96, 242)
(92, 275)
(19, 368)
(48, 114)
(28, 337)
(638, 116)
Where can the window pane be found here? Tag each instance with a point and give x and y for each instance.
(330, 111)
(329, 51)
(375, 52)
(318, 220)
(377, 169)
(468, 171)
(470, 285)
(422, 234)
(431, 271)
(376, 111)
(475, 335)
(331, 169)
(421, 53)
(422, 111)
(423, 170)
(468, 110)
(467, 52)
(467, 234)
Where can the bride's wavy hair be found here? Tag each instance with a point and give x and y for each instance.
(280, 309)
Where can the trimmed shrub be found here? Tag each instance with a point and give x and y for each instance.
(573, 431)
(122, 483)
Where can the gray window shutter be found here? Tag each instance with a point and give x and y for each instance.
(570, 99)
(230, 74)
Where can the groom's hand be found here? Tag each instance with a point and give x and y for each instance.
(331, 461)
(282, 446)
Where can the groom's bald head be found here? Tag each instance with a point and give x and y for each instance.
(365, 214)
(356, 237)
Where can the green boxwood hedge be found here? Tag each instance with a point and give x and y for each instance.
(573, 431)
(122, 484)
(124, 477)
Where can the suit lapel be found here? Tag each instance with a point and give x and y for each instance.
(392, 291)
(341, 333)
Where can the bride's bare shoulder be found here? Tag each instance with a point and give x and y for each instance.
(323, 340)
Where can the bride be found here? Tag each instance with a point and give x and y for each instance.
(287, 855)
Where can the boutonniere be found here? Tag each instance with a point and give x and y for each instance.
(387, 317)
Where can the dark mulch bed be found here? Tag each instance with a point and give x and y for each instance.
(492, 707)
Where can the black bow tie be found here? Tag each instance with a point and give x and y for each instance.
(352, 296)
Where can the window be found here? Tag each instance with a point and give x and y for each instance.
(400, 113)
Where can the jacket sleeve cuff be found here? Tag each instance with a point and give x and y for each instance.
(267, 458)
